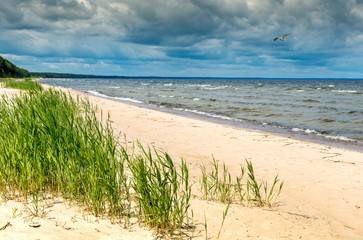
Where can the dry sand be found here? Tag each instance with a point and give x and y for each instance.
(322, 197)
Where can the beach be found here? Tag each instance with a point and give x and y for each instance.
(322, 196)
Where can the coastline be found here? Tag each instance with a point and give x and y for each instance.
(295, 133)
(321, 198)
(302, 118)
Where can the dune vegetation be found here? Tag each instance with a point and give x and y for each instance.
(54, 145)
(26, 84)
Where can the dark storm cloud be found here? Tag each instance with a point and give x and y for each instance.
(55, 10)
(159, 22)
(322, 32)
(43, 14)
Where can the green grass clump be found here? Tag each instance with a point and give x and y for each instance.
(26, 84)
(223, 188)
(268, 196)
(213, 186)
(51, 143)
(163, 193)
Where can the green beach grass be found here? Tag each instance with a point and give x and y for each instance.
(22, 84)
(221, 187)
(54, 145)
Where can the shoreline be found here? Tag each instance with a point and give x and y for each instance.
(299, 134)
(294, 133)
(317, 111)
(321, 197)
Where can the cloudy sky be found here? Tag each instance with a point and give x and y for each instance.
(204, 38)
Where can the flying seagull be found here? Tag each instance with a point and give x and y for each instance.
(281, 38)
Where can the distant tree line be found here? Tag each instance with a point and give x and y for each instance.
(8, 69)
(61, 75)
(69, 75)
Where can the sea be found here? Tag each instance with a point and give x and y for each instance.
(328, 111)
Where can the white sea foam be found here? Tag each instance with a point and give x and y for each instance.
(164, 96)
(304, 130)
(115, 87)
(205, 114)
(198, 85)
(216, 88)
(345, 91)
(127, 99)
(196, 99)
(95, 93)
(341, 138)
(333, 137)
(310, 131)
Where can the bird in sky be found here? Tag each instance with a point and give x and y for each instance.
(281, 38)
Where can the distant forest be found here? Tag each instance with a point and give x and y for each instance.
(68, 75)
(8, 69)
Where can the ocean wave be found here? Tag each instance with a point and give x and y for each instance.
(127, 99)
(216, 88)
(345, 91)
(333, 137)
(206, 114)
(340, 138)
(95, 93)
(295, 89)
(166, 96)
(98, 94)
(198, 85)
(304, 130)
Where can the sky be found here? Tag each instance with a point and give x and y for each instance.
(185, 38)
